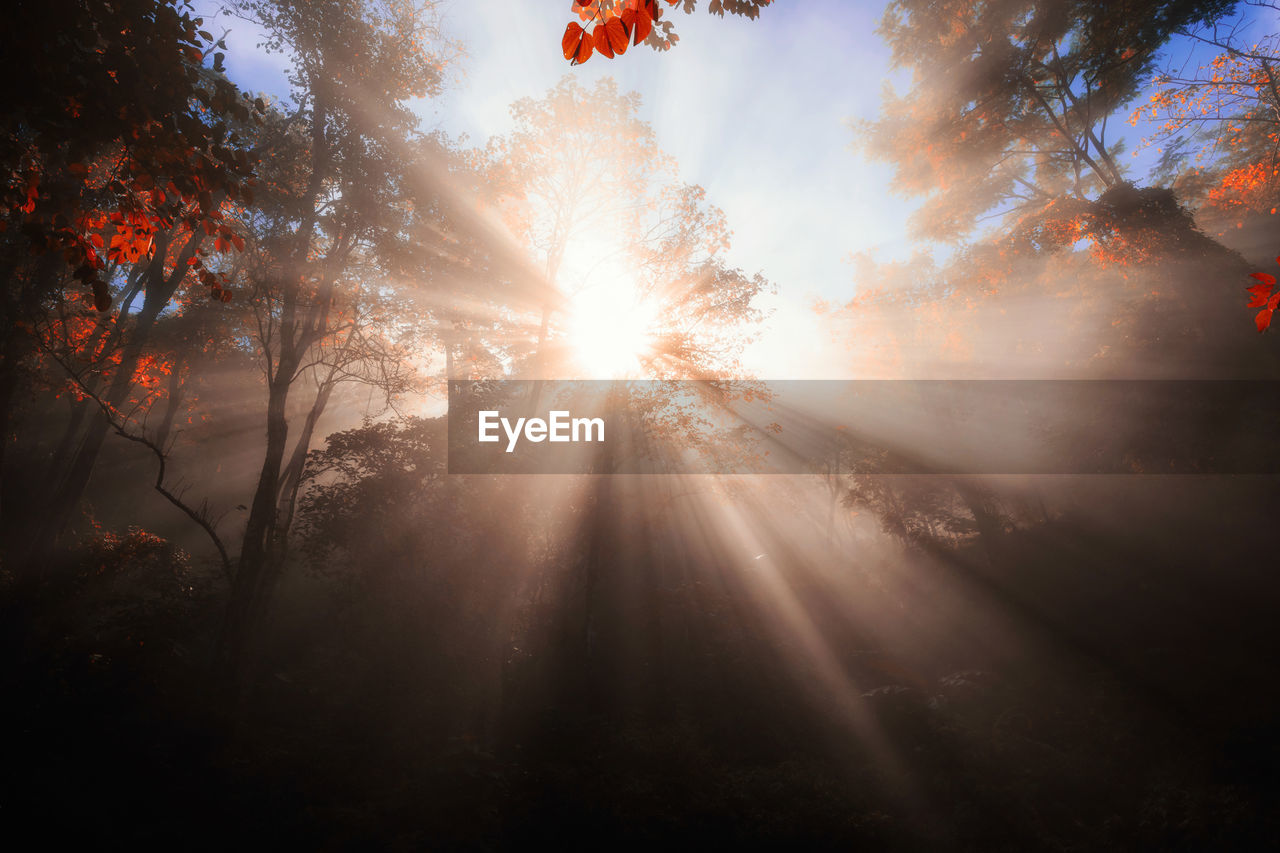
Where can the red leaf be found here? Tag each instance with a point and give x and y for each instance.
(638, 23)
(617, 35)
(1266, 278)
(1263, 319)
(576, 44)
(1260, 293)
(601, 40)
(584, 50)
(572, 38)
(610, 38)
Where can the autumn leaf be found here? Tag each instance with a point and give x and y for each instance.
(1261, 292)
(576, 45)
(638, 23)
(601, 41)
(572, 36)
(610, 38)
(1263, 298)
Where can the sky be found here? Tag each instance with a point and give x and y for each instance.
(754, 111)
(757, 112)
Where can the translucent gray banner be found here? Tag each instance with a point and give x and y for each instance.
(864, 427)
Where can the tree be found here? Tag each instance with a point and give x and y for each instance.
(614, 232)
(115, 357)
(127, 149)
(355, 67)
(635, 285)
(1007, 117)
(1222, 120)
(571, 173)
(123, 80)
(1009, 102)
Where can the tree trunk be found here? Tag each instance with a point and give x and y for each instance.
(291, 479)
(171, 406)
(254, 576)
(17, 346)
(985, 518)
(160, 289)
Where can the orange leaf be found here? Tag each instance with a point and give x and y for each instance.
(584, 50)
(638, 23)
(616, 35)
(611, 37)
(572, 39)
(600, 38)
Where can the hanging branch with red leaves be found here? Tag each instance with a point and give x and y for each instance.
(1263, 298)
(609, 27)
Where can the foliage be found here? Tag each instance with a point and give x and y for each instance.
(1263, 298)
(1009, 101)
(620, 23)
(400, 657)
(1223, 117)
(139, 138)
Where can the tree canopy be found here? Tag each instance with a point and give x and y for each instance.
(1010, 101)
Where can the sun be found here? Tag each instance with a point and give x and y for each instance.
(612, 332)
